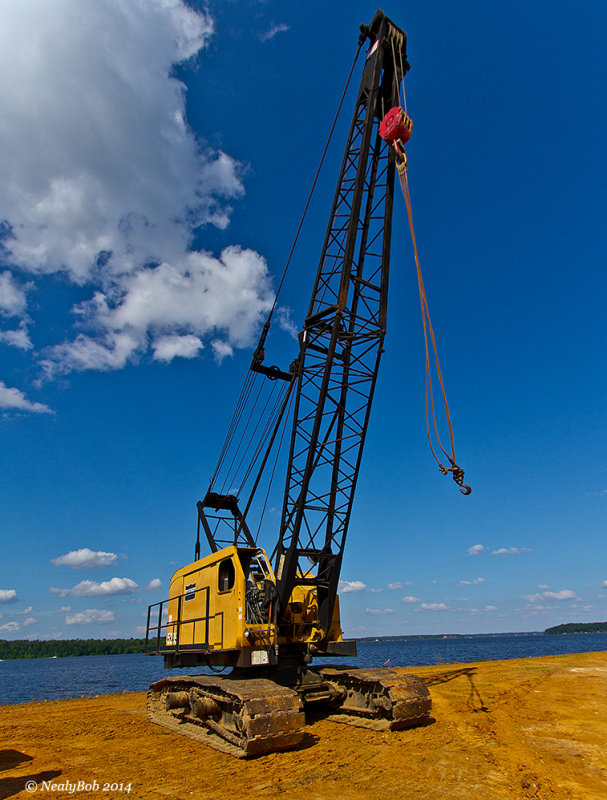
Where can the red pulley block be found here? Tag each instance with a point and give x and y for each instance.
(396, 126)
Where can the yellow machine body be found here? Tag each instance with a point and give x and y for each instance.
(223, 606)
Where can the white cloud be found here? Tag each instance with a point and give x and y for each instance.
(29, 621)
(564, 594)
(90, 616)
(166, 348)
(174, 305)
(13, 300)
(397, 585)
(475, 549)
(351, 586)
(65, 609)
(8, 596)
(543, 586)
(474, 582)
(435, 607)
(221, 350)
(376, 591)
(85, 559)
(104, 588)
(273, 30)
(379, 611)
(106, 183)
(25, 610)
(19, 338)
(10, 627)
(490, 608)
(410, 599)
(12, 399)
(154, 585)
(604, 584)
(98, 589)
(509, 551)
(98, 156)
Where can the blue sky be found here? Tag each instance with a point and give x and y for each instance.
(156, 160)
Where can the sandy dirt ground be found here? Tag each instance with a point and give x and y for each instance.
(525, 728)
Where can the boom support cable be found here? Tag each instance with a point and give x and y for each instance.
(250, 378)
(308, 201)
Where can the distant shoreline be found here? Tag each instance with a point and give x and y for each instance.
(59, 648)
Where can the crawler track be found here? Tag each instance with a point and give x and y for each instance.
(378, 698)
(241, 717)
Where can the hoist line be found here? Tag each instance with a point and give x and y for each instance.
(456, 471)
(305, 211)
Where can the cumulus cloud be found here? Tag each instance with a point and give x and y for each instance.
(397, 585)
(166, 348)
(154, 585)
(25, 610)
(13, 300)
(12, 399)
(19, 338)
(490, 608)
(475, 549)
(173, 306)
(106, 183)
(85, 559)
(604, 584)
(10, 627)
(8, 596)
(29, 621)
(98, 589)
(510, 551)
(435, 607)
(474, 582)
(346, 587)
(90, 616)
(273, 30)
(410, 599)
(379, 611)
(563, 594)
(108, 166)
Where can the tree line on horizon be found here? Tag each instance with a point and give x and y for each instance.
(578, 627)
(36, 648)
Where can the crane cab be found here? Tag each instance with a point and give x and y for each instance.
(220, 612)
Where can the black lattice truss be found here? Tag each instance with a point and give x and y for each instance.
(341, 346)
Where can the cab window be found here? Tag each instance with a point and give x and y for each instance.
(226, 575)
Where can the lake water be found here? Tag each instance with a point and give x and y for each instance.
(24, 680)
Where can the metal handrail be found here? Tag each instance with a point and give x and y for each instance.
(178, 623)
